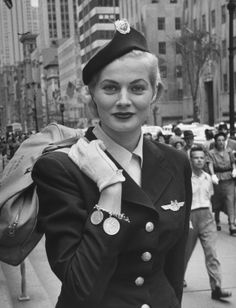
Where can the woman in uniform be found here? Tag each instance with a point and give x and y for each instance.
(115, 209)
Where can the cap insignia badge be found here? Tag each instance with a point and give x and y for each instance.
(122, 26)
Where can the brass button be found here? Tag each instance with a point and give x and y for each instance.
(145, 306)
(139, 281)
(146, 256)
(149, 226)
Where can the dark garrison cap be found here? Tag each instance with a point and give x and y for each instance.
(124, 40)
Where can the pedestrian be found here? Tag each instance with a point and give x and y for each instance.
(189, 141)
(223, 171)
(179, 145)
(229, 142)
(209, 143)
(160, 138)
(148, 135)
(202, 222)
(177, 136)
(115, 211)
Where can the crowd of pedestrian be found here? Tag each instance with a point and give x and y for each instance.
(9, 143)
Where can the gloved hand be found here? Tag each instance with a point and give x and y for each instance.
(215, 179)
(234, 173)
(93, 161)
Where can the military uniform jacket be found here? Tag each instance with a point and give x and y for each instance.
(140, 266)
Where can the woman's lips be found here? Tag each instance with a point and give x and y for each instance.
(123, 115)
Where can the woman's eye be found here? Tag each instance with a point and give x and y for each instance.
(138, 89)
(110, 88)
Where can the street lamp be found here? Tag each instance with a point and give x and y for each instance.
(231, 7)
(35, 107)
(62, 109)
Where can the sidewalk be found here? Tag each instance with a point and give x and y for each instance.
(43, 287)
(198, 293)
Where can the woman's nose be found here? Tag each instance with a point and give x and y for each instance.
(124, 98)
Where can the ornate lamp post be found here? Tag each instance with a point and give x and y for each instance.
(231, 7)
(62, 109)
(35, 107)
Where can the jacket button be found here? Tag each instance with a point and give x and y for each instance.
(146, 256)
(139, 281)
(145, 306)
(149, 226)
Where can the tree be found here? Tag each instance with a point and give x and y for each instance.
(197, 48)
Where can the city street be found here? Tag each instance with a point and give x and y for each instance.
(43, 287)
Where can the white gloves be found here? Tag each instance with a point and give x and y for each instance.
(215, 179)
(93, 161)
(234, 173)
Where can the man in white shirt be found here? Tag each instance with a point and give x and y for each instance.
(202, 222)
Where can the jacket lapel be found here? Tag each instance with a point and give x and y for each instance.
(156, 173)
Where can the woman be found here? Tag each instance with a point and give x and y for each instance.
(222, 169)
(179, 145)
(160, 138)
(115, 211)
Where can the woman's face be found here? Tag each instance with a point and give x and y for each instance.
(122, 95)
(220, 143)
(179, 146)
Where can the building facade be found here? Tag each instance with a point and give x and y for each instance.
(70, 82)
(58, 21)
(213, 17)
(20, 19)
(95, 19)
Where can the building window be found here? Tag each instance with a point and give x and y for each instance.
(177, 23)
(177, 48)
(225, 82)
(163, 71)
(223, 14)
(204, 22)
(161, 23)
(224, 50)
(180, 94)
(162, 48)
(178, 71)
(195, 24)
(173, 1)
(213, 18)
(155, 1)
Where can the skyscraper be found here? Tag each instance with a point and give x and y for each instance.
(58, 21)
(22, 18)
(95, 24)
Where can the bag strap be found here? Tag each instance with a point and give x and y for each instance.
(66, 143)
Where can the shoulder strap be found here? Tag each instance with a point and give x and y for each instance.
(67, 143)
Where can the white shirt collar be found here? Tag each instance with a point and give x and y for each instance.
(121, 155)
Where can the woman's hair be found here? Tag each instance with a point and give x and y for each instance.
(218, 135)
(151, 62)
